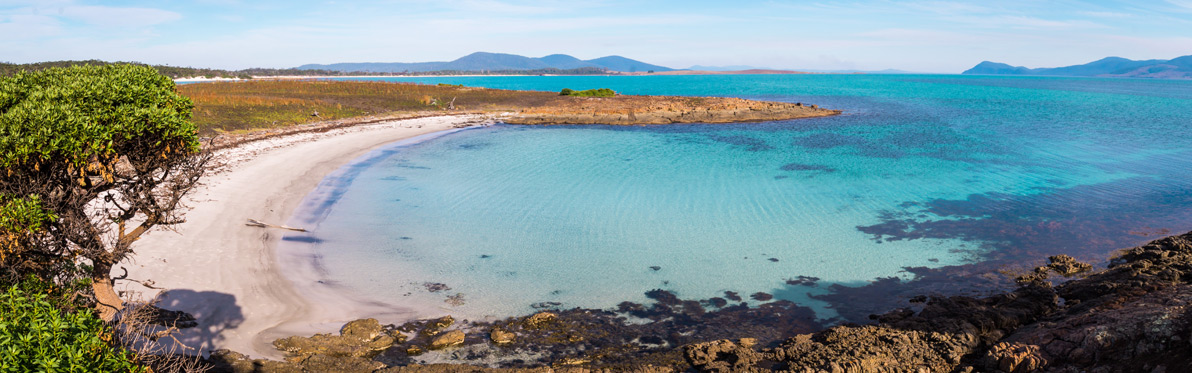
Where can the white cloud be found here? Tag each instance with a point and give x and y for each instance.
(25, 27)
(1186, 4)
(106, 16)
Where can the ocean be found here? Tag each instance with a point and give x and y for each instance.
(948, 178)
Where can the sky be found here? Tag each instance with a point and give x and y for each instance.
(915, 35)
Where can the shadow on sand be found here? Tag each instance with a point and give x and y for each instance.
(215, 312)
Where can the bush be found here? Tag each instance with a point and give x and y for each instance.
(36, 336)
(93, 157)
(602, 92)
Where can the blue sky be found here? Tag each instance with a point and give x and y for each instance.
(927, 36)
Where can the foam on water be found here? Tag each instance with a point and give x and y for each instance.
(589, 216)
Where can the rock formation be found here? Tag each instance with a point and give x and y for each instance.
(1134, 316)
(642, 110)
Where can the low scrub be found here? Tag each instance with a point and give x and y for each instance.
(37, 336)
(238, 106)
(600, 92)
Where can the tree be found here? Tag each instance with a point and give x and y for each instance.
(92, 157)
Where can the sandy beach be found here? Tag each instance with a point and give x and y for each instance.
(227, 274)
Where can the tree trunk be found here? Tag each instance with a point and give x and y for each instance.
(107, 303)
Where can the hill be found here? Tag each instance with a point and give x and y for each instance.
(174, 72)
(485, 61)
(1178, 68)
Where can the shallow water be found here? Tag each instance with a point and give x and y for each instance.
(921, 171)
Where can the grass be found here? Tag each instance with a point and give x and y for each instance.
(260, 104)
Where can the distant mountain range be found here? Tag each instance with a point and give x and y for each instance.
(484, 61)
(1177, 68)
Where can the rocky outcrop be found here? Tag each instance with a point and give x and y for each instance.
(1134, 316)
(642, 110)
(360, 338)
(448, 339)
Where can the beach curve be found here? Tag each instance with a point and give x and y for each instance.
(227, 274)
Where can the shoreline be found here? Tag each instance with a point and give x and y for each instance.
(230, 275)
(664, 73)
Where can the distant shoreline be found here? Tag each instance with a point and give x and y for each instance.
(617, 73)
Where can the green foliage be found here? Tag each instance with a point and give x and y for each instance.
(449, 85)
(36, 336)
(601, 92)
(81, 114)
(21, 219)
(23, 214)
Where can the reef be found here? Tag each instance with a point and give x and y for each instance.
(1134, 315)
(642, 110)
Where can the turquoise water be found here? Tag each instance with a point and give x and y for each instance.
(922, 171)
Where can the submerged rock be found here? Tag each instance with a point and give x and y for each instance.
(1134, 316)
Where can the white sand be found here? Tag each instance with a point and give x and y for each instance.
(228, 274)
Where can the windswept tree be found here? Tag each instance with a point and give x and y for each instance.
(91, 158)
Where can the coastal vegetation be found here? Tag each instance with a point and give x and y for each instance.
(173, 72)
(599, 92)
(238, 106)
(222, 107)
(38, 333)
(93, 157)
(177, 72)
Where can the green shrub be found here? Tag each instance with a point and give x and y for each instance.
(22, 220)
(602, 92)
(119, 134)
(36, 336)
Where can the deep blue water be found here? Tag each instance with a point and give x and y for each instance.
(935, 171)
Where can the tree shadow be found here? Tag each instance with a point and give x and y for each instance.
(214, 312)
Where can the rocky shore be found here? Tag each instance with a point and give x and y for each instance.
(1134, 316)
(643, 110)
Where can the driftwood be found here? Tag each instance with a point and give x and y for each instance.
(258, 223)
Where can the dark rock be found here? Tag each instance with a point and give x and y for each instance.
(1134, 316)
(803, 280)
(761, 297)
(718, 302)
(663, 296)
(732, 295)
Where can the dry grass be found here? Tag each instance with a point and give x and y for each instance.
(240, 106)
